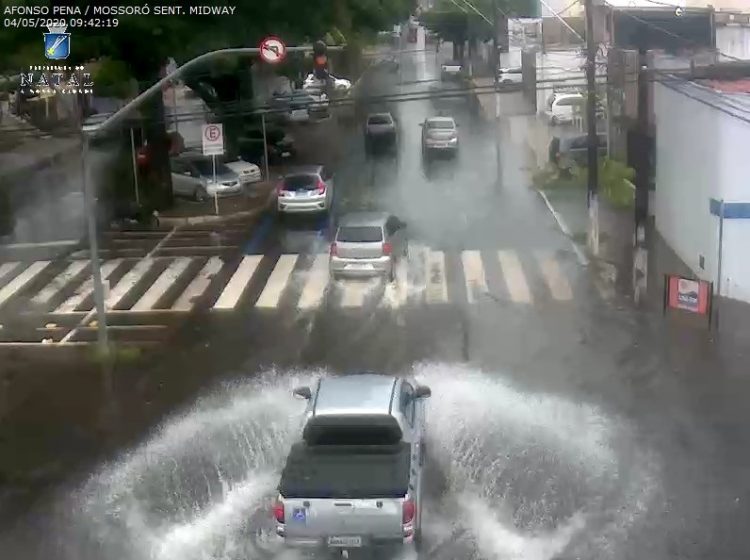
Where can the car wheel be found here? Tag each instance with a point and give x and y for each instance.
(200, 194)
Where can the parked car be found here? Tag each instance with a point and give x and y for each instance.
(193, 176)
(304, 105)
(560, 107)
(305, 189)
(510, 75)
(354, 479)
(280, 144)
(451, 70)
(568, 152)
(247, 171)
(380, 131)
(439, 134)
(368, 244)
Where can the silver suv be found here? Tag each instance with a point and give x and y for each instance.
(368, 244)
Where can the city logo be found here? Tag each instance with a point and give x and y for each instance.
(57, 42)
(48, 80)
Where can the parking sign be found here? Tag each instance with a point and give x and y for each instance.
(213, 139)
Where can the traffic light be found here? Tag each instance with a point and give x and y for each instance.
(320, 60)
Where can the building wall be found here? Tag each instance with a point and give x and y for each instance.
(734, 41)
(699, 156)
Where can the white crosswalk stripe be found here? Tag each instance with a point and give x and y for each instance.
(199, 285)
(162, 284)
(277, 282)
(238, 283)
(317, 282)
(527, 278)
(87, 288)
(515, 280)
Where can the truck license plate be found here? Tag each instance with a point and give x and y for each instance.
(345, 541)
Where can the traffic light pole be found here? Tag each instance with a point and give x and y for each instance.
(95, 131)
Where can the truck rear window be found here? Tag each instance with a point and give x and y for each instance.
(360, 234)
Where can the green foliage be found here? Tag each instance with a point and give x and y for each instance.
(615, 180)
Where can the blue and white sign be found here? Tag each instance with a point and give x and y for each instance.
(299, 515)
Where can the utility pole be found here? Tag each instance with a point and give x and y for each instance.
(495, 65)
(641, 146)
(593, 141)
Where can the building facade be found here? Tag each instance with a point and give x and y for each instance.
(702, 139)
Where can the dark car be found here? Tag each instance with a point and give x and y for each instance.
(280, 144)
(380, 131)
(568, 152)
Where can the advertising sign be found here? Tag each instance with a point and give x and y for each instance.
(688, 294)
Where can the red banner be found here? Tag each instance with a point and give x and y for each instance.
(688, 294)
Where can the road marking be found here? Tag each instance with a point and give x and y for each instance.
(87, 288)
(7, 268)
(402, 284)
(476, 283)
(20, 281)
(61, 243)
(238, 283)
(437, 285)
(199, 285)
(162, 284)
(556, 281)
(317, 281)
(128, 282)
(515, 280)
(59, 282)
(354, 293)
(582, 259)
(277, 282)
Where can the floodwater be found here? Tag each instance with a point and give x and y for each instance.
(512, 475)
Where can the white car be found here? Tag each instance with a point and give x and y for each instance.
(248, 172)
(560, 107)
(510, 75)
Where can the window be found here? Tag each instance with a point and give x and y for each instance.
(569, 101)
(302, 182)
(360, 234)
(380, 119)
(206, 169)
(444, 125)
(407, 402)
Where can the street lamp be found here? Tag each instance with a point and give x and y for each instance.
(90, 132)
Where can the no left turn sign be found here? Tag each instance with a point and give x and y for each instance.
(272, 50)
(213, 139)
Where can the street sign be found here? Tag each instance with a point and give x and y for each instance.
(272, 50)
(678, 11)
(213, 139)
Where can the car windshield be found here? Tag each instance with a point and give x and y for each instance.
(206, 169)
(360, 234)
(302, 181)
(380, 119)
(440, 125)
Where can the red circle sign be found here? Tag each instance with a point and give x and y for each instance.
(213, 133)
(272, 50)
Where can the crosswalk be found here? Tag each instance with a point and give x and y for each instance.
(179, 284)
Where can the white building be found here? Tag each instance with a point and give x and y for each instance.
(702, 139)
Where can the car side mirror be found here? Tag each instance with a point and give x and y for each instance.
(422, 392)
(303, 393)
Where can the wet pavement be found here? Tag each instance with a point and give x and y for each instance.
(561, 426)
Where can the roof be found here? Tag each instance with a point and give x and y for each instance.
(301, 169)
(441, 119)
(729, 96)
(363, 219)
(360, 394)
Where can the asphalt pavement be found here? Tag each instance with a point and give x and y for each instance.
(562, 425)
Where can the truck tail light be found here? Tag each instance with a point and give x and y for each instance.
(321, 187)
(278, 511)
(387, 248)
(334, 249)
(409, 509)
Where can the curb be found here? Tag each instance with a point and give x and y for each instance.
(213, 219)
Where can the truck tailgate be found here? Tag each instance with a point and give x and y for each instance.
(316, 520)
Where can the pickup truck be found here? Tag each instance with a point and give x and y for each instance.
(354, 480)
